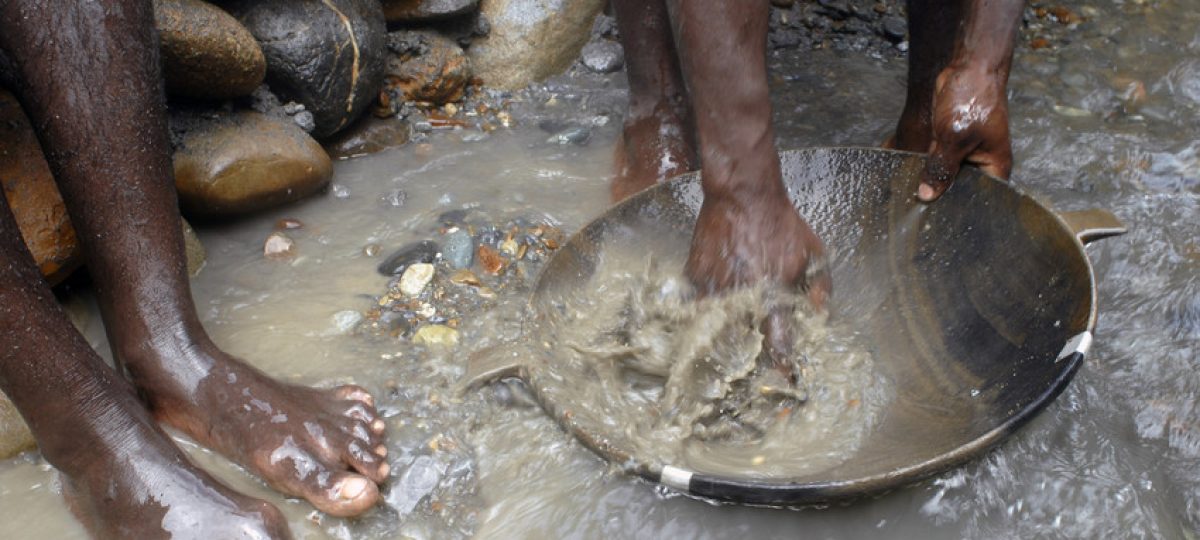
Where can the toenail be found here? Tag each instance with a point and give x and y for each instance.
(381, 451)
(384, 469)
(378, 425)
(353, 487)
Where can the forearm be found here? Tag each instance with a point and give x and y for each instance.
(987, 35)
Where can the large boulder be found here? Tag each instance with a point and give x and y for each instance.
(531, 40)
(405, 11)
(325, 54)
(426, 66)
(206, 53)
(231, 164)
(33, 195)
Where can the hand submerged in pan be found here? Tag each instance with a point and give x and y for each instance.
(743, 240)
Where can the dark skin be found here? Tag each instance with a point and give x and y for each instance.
(101, 121)
(747, 230)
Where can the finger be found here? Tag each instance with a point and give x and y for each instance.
(940, 169)
(998, 164)
(777, 337)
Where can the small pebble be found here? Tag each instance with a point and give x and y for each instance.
(489, 260)
(279, 246)
(436, 334)
(415, 278)
(458, 249)
(345, 321)
(288, 224)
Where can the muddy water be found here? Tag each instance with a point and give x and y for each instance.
(1117, 455)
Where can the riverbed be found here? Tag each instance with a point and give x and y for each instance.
(1107, 115)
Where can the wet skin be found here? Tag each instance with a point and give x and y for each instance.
(100, 117)
(712, 75)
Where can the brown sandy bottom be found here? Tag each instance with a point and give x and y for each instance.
(688, 382)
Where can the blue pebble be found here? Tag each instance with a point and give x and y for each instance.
(459, 249)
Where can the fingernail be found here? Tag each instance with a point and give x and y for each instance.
(353, 487)
(378, 425)
(925, 192)
(381, 451)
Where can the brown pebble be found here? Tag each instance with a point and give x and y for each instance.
(371, 250)
(489, 260)
(279, 246)
(1064, 15)
(289, 224)
(465, 277)
(1039, 43)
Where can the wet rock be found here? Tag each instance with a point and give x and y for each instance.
(436, 334)
(424, 251)
(426, 66)
(894, 28)
(426, 10)
(14, 433)
(371, 250)
(345, 321)
(531, 39)
(231, 164)
(415, 484)
(465, 277)
(395, 198)
(289, 224)
(279, 246)
(577, 135)
(489, 259)
(367, 136)
(394, 322)
(415, 278)
(459, 249)
(325, 54)
(603, 56)
(193, 249)
(33, 196)
(206, 53)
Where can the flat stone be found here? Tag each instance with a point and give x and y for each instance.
(206, 53)
(415, 278)
(426, 66)
(33, 196)
(459, 249)
(531, 40)
(436, 334)
(415, 484)
(325, 54)
(426, 10)
(424, 251)
(233, 164)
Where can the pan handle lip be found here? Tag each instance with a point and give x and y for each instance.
(1093, 224)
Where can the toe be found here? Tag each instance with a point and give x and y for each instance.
(353, 392)
(359, 411)
(364, 458)
(349, 495)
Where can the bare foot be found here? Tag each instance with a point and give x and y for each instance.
(125, 479)
(323, 445)
(651, 149)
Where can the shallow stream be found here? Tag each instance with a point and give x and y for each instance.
(1107, 116)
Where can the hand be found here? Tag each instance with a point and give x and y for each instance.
(968, 123)
(739, 242)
